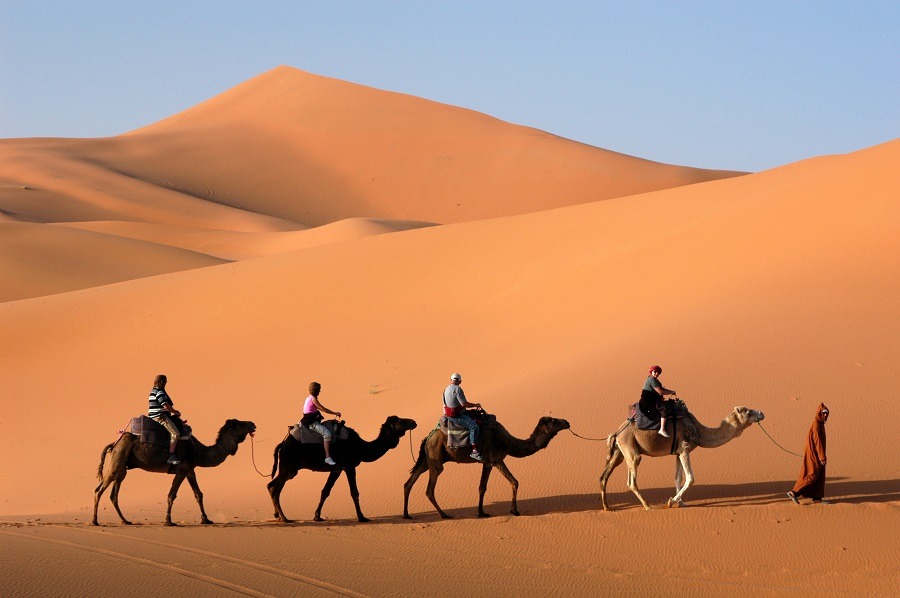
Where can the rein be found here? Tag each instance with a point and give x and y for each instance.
(776, 444)
(253, 457)
(591, 439)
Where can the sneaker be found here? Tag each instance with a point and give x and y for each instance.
(663, 433)
(793, 497)
(330, 461)
(173, 460)
(476, 455)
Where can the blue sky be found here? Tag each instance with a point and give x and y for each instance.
(730, 84)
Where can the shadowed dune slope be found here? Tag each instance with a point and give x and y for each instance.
(37, 259)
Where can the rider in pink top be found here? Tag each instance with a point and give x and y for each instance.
(312, 417)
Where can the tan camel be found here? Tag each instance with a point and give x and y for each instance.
(496, 443)
(128, 452)
(630, 443)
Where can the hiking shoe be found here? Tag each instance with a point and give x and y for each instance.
(477, 456)
(330, 461)
(793, 497)
(663, 433)
(173, 460)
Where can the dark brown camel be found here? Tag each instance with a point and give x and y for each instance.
(496, 443)
(291, 456)
(128, 452)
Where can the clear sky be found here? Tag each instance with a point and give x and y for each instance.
(745, 84)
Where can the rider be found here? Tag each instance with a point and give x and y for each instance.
(312, 417)
(161, 410)
(653, 398)
(455, 405)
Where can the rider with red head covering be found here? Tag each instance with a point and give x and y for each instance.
(653, 399)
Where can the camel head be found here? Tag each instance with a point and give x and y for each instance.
(236, 429)
(744, 416)
(398, 426)
(552, 425)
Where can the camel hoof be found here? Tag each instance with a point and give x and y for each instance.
(170, 524)
(515, 512)
(364, 520)
(446, 516)
(317, 518)
(126, 522)
(483, 514)
(206, 522)
(94, 522)
(405, 516)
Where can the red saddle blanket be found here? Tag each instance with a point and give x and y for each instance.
(152, 432)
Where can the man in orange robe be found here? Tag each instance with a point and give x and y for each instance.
(811, 481)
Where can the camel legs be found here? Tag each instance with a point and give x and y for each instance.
(417, 471)
(326, 492)
(192, 480)
(110, 480)
(173, 492)
(433, 473)
(682, 464)
(354, 493)
(632, 462)
(615, 459)
(275, 487)
(482, 488)
(501, 467)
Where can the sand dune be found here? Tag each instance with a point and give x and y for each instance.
(775, 290)
(38, 260)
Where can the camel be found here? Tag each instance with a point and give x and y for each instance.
(630, 443)
(128, 452)
(291, 456)
(496, 443)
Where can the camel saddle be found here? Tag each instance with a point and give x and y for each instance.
(306, 435)
(154, 433)
(676, 410)
(458, 435)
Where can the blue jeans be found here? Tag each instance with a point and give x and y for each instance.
(470, 424)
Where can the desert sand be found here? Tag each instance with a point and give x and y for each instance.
(300, 228)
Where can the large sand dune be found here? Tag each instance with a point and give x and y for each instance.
(776, 290)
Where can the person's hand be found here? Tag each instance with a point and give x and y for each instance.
(338, 414)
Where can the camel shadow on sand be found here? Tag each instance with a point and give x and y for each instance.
(837, 490)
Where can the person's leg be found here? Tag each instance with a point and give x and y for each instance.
(472, 425)
(173, 436)
(326, 437)
(663, 412)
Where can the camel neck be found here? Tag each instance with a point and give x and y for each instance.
(727, 431)
(375, 449)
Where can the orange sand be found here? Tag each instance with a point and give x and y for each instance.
(299, 228)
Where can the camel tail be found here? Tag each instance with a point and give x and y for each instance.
(275, 456)
(106, 449)
(610, 445)
(422, 456)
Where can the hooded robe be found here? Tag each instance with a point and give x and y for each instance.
(811, 481)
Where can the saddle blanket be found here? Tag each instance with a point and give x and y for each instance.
(155, 433)
(678, 411)
(303, 434)
(457, 435)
